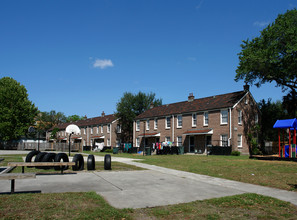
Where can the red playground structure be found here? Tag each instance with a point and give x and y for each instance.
(287, 143)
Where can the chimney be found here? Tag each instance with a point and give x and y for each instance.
(191, 97)
(152, 105)
(102, 114)
(246, 87)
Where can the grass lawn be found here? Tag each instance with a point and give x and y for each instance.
(92, 206)
(278, 174)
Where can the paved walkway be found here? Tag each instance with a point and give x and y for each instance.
(155, 186)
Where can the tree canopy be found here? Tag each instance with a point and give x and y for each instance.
(271, 57)
(130, 106)
(17, 112)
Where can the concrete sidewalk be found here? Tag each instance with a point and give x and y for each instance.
(155, 186)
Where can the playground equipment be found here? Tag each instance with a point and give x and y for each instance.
(288, 127)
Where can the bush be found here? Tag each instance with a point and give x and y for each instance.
(108, 151)
(235, 153)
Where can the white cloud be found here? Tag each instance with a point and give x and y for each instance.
(261, 23)
(102, 64)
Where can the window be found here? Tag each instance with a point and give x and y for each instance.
(224, 116)
(119, 128)
(167, 139)
(239, 140)
(156, 123)
(147, 124)
(84, 130)
(91, 130)
(108, 142)
(194, 120)
(101, 128)
(224, 140)
(179, 121)
(256, 118)
(98, 129)
(205, 120)
(137, 125)
(179, 141)
(118, 143)
(168, 122)
(108, 128)
(239, 117)
(137, 142)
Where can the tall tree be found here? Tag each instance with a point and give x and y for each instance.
(17, 112)
(130, 106)
(290, 104)
(271, 57)
(73, 118)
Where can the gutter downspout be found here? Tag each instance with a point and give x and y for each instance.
(134, 141)
(230, 127)
(172, 128)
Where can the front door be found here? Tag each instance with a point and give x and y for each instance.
(192, 144)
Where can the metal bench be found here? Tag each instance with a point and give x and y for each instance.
(14, 176)
(40, 164)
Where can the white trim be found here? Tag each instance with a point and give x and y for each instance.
(240, 100)
(230, 127)
(166, 127)
(155, 124)
(147, 125)
(239, 116)
(137, 128)
(239, 135)
(181, 141)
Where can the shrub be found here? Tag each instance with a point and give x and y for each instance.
(108, 151)
(235, 153)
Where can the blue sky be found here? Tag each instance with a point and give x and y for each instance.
(79, 57)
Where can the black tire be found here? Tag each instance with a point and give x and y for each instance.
(107, 162)
(91, 162)
(79, 162)
(49, 157)
(39, 158)
(64, 158)
(30, 155)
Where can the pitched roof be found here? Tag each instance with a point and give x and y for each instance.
(88, 122)
(202, 104)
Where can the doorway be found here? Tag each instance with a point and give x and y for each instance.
(192, 144)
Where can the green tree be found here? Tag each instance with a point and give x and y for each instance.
(17, 112)
(271, 111)
(130, 106)
(73, 118)
(290, 104)
(271, 57)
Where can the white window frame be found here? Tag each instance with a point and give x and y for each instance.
(226, 141)
(137, 125)
(147, 125)
(166, 122)
(221, 116)
(194, 121)
(167, 139)
(98, 129)
(137, 142)
(119, 128)
(84, 130)
(240, 117)
(156, 124)
(108, 128)
(239, 140)
(91, 130)
(179, 121)
(108, 142)
(205, 119)
(101, 128)
(181, 141)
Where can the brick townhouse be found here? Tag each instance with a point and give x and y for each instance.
(103, 129)
(221, 120)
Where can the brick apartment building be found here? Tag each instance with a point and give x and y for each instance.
(104, 129)
(221, 120)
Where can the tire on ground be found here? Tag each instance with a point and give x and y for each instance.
(39, 158)
(79, 162)
(107, 162)
(64, 158)
(49, 157)
(91, 162)
(30, 155)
